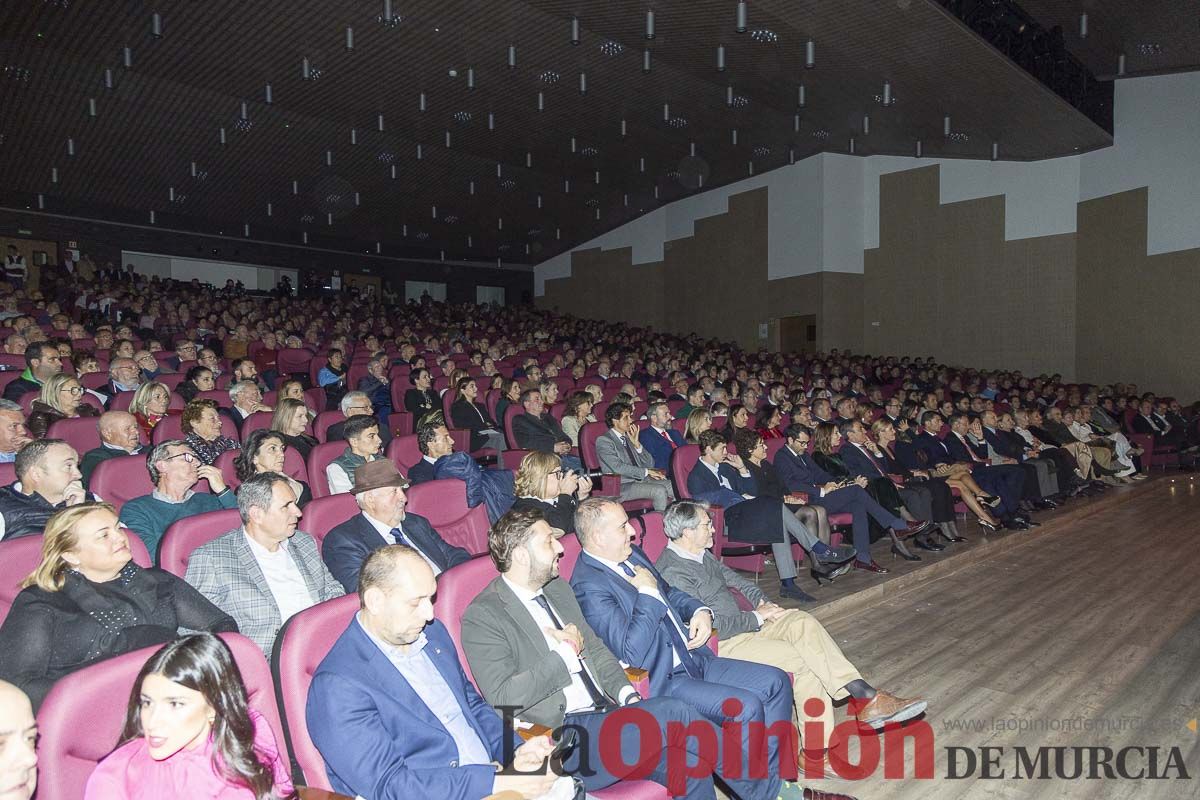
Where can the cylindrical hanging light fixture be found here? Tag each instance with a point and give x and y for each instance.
(851, 147)
(70, 147)
(305, 70)
(270, 209)
(378, 247)
(597, 177)
(246, 230)
(127, 57)
(801, 96)
(528, 160)
(471, 187)
(642, 164)
(692, 149)
(575, 30)
(269, 95)
(810, 54)
(512, 56)
(995, 151)
(946, 125)
(491, 121)
(420, 153)
(387, 11)
(156, 25)
(666, 112)
(740, 25)
(751, 169)
(887, 93)
(796, 123)
(720, 58)
(379, 122)
(349, 38)
(541, 101)
(649, 24)
(470, 77)
(566, 185)
(329, 158)
(54, 174)
(583, 83)
(791, 155)
(91, 106)
(304, 237)
(329, 218)
(393, 172)
(223, 137)
(108, 78)
(421, 104)
(1121, 64)
(171, 194)
(447, 140)
(152, 217)
(866, 129)
(1083, 26)
(193, 169)
(244, 111)
(734, 137)
(624, 130)
(295, 187)
(646, 61)
(918, 148)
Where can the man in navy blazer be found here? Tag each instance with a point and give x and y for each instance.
(800, 473)
(647, 623)
(1004, 480)
(661, 439)
(379, 490)
(391, 710)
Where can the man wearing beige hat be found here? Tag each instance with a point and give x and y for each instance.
(379, 490)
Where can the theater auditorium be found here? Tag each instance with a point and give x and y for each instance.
(625, 400)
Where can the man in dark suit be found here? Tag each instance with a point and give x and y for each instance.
(1003, 480)
(537, 430)
(247, 400)
(661, 439)
(529, 647)
(119, 436)
(801, 474)
(648, 624)
(1040, 475)
(379, 490)
(1145, 421)
(353, 404)
(391, 710)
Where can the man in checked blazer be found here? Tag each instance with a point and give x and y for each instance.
(265, 571)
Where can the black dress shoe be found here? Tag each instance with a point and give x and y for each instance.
(1044, 505)
(951, 539)
(987, 526)
(796, 593)
(988, 499)
(1016, 524)
(1031, 524)
(907, 556)
(924, 543)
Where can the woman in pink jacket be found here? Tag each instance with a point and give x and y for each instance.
(189, 733)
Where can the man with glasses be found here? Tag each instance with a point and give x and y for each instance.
(661, 439)
(124, 375)
(208, 358)
(354, 404)
(175, 470)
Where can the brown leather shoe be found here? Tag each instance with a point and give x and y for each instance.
(886, 708)
(871, 566)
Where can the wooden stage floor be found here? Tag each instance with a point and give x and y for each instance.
(1083, 633)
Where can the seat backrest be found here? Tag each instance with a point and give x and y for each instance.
(325, 420)
(120, 401)
(588, 434)
(8, 473)
(89, 380)
(79, 432)
(511, 459)
(682, 461)
(185, 535)
(259, 420)
(69, 751)
(773, 447)
(171, 427)
(403, 451)
(119, 480)
(291, 360)
(171, 379)
(571, 550)
(318, 459)
(654, 538)
(401, 423)
(300, 647)
(511, 413)
(324, 514)
(456, 588)
(220, 395)
(444, 504)
(19, 557)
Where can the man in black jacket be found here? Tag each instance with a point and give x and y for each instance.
(41, 361)
(537, 430)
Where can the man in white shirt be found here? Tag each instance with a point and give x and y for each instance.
(620, 452)
(265, 571)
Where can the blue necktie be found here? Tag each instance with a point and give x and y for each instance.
(677, 641)
(398, 535)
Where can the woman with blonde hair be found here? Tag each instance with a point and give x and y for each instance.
(149, 406)
(61, 397)
(543, 484)
(698, 422)
(87, 600)
(290, 421)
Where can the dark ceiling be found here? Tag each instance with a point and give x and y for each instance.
(538, 183)
(1155, 35)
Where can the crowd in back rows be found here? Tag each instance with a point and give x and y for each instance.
(787, 448)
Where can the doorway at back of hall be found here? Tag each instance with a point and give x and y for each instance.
(798, 334)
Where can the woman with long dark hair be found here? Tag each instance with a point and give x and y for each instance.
(189, 728)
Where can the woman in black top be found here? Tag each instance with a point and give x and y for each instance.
(87, 601)
(542, 484)
(465, 413)
(421, 400)
(739, 419)
(264, 451)
(510, 393)
(753, 450)
(291, 421)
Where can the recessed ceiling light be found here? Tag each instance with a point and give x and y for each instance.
(243, 124)
(462, 117)
(740, 101)
(765, 35)
(508, 184)
(821, 134)
(535, 232)
(677, 122)
(504, 248)
(958, 136)
(386, 157)
(450, 219)
(612, 48)
(673, 174)
(549, 76)
(307, 218)
(422, 235)
(589, 151)
(1150, 49)
(593, 202)
(762, 151)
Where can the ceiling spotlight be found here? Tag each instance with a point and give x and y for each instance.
(740, 27)
(720, 58)
(810, 54)
(575, 30)
(649, 24)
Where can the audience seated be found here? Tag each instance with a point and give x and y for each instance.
(198, 379)
(568, 676)
(201, 425)
(421, 399)
(291, 421)
(265, 451)
(362, 445)
(493, 487)
(18, 743)
(124, 375)
(660, 438)
(119, 436)
(265, 571)
(377, 386)
(175, 470)
(189, 728)
(788, 639)
(14, 434)
(150, 404)
(247, 400)
(543, 485)
(88, 600)
(391, 711)
(621, 453)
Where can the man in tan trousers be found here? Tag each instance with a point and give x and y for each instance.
(788, 639)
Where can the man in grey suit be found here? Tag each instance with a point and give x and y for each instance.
(529, 647)
(620, 452)
(265, 571)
